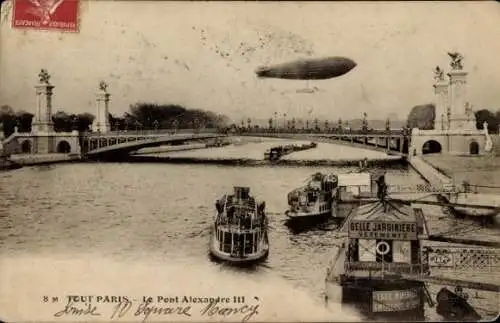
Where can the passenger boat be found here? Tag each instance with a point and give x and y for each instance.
(313, 203)
(239, 232)
(381, 241)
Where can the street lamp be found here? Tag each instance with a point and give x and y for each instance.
(276, 121)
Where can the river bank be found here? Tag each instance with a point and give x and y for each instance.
(474, 177)
(7, 164)
(166, 149)
(376, 162)
(41, 159)
(481, 172)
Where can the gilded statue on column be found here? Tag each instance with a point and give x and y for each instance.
(103, 86)
(438, 74)
(44, 76)
(456, 60)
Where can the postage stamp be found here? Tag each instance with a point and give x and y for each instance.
(46, 14)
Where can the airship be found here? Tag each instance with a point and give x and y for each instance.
(308, 69)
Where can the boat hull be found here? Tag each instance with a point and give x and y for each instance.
(305, 220)
(259, 256)
(474, 212)
(455, 307)
(379, 300)
(471, 212)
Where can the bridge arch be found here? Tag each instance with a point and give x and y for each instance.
(473, 147)
(63, 147)
(431, 147)
(26, 146)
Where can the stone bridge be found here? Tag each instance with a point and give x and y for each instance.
(115, 145)
(112, 145)
(391, 142)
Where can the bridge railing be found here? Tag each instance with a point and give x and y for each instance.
(253, 131)
(330, 133)
(140, 132)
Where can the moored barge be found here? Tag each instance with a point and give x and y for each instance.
(381, 241)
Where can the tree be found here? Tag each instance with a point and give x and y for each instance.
(8, 119)
(6, 110)
(24, 121)
(422, 117)
(165, 114)
(491, 118)
(62, 122)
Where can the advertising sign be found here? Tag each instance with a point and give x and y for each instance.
(395, 300)
(383, 230)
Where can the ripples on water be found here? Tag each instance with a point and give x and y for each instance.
(159, 212)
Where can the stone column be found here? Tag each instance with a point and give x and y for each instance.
(43, 119)
(101, 121)
(441, 92)
(458, 98)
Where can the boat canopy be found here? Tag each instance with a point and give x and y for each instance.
(383, 211)
(240, 205)
(355, 179)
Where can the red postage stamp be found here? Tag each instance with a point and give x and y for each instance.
(46, 14)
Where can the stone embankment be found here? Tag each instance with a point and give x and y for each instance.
(166, 149)
(7, 164)
(40, 159)
(459, 174)
(261, 162)
(481, 172)
(432, 175)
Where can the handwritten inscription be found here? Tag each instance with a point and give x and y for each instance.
(187, 306)
(78, 309)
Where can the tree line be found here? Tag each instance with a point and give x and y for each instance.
(150, 116)
(141, 116)
(424, 117)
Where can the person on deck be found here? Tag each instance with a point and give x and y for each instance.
(381, 186)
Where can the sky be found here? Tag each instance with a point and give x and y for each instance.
(169, 52)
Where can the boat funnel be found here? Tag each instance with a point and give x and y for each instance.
(241, 193)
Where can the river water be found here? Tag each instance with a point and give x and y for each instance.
(142, 229)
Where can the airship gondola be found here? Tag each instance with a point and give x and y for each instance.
(308, 69)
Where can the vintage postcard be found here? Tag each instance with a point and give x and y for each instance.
(235, 161)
